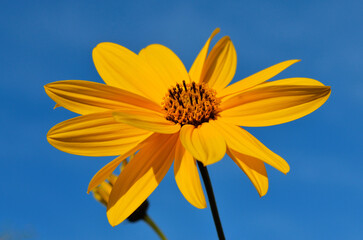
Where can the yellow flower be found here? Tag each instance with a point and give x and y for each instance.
(152, 105)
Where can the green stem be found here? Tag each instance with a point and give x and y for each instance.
(152, 224)
(212, 200)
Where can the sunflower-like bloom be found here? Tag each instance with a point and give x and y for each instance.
(151, 104)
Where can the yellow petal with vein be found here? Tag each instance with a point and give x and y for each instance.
(253, 168)
(122, 68)
(243, 142)
(150, 121)
(96, 134)
(221, 64)
(273, 104)
(86, 97)
(166, 65)
(195, 71)
(205, 143)
(256, 78)
(187, 177)
(140, 177)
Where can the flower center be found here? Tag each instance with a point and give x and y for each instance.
(190, 103)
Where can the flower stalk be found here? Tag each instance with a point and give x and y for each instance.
(212, 200)
(155, 227)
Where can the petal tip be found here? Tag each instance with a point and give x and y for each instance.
(89, 188)
(201, 206)
(48, 87)
(99, 47)
(111, 223)
(215, 32)
(95, 50)
(294, 61)
(110, 219)
(262, 194)
(49, 137)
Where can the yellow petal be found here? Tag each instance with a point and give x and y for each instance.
(273, 104)
(98, 197)
(256, 78)
(57, 105)
(122, 68)
(195, 71)
(221, 64)
(166, 65)
(104, 190)
(146, 120)
(112, 178)
(253, 168)
(299, 81)
(96, 134)
(187, 177)
(140, 177)
(243, 142)
(205, 143)
(86, 97)
(107, 170)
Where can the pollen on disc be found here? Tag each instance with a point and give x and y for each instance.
(190, 103)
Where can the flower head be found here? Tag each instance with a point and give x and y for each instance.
(152, 105)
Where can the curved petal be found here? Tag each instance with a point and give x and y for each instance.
(187, 177)
(95, 134)
(102, 192)
(256, 78)
(166, 64)
(273, 104)
(86, 97)
(99, 196)
(221, 64)
(122, 68)
(204, 142)
(107, 170)
(298, 81)
(146, 120)
(253, 168)
(140, 177)
(195, 71)
(243, 142)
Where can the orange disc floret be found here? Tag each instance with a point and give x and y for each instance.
(190, 103)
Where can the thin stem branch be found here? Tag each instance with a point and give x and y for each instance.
(153, 225)
(212, 200)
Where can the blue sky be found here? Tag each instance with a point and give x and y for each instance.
(44, 190)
